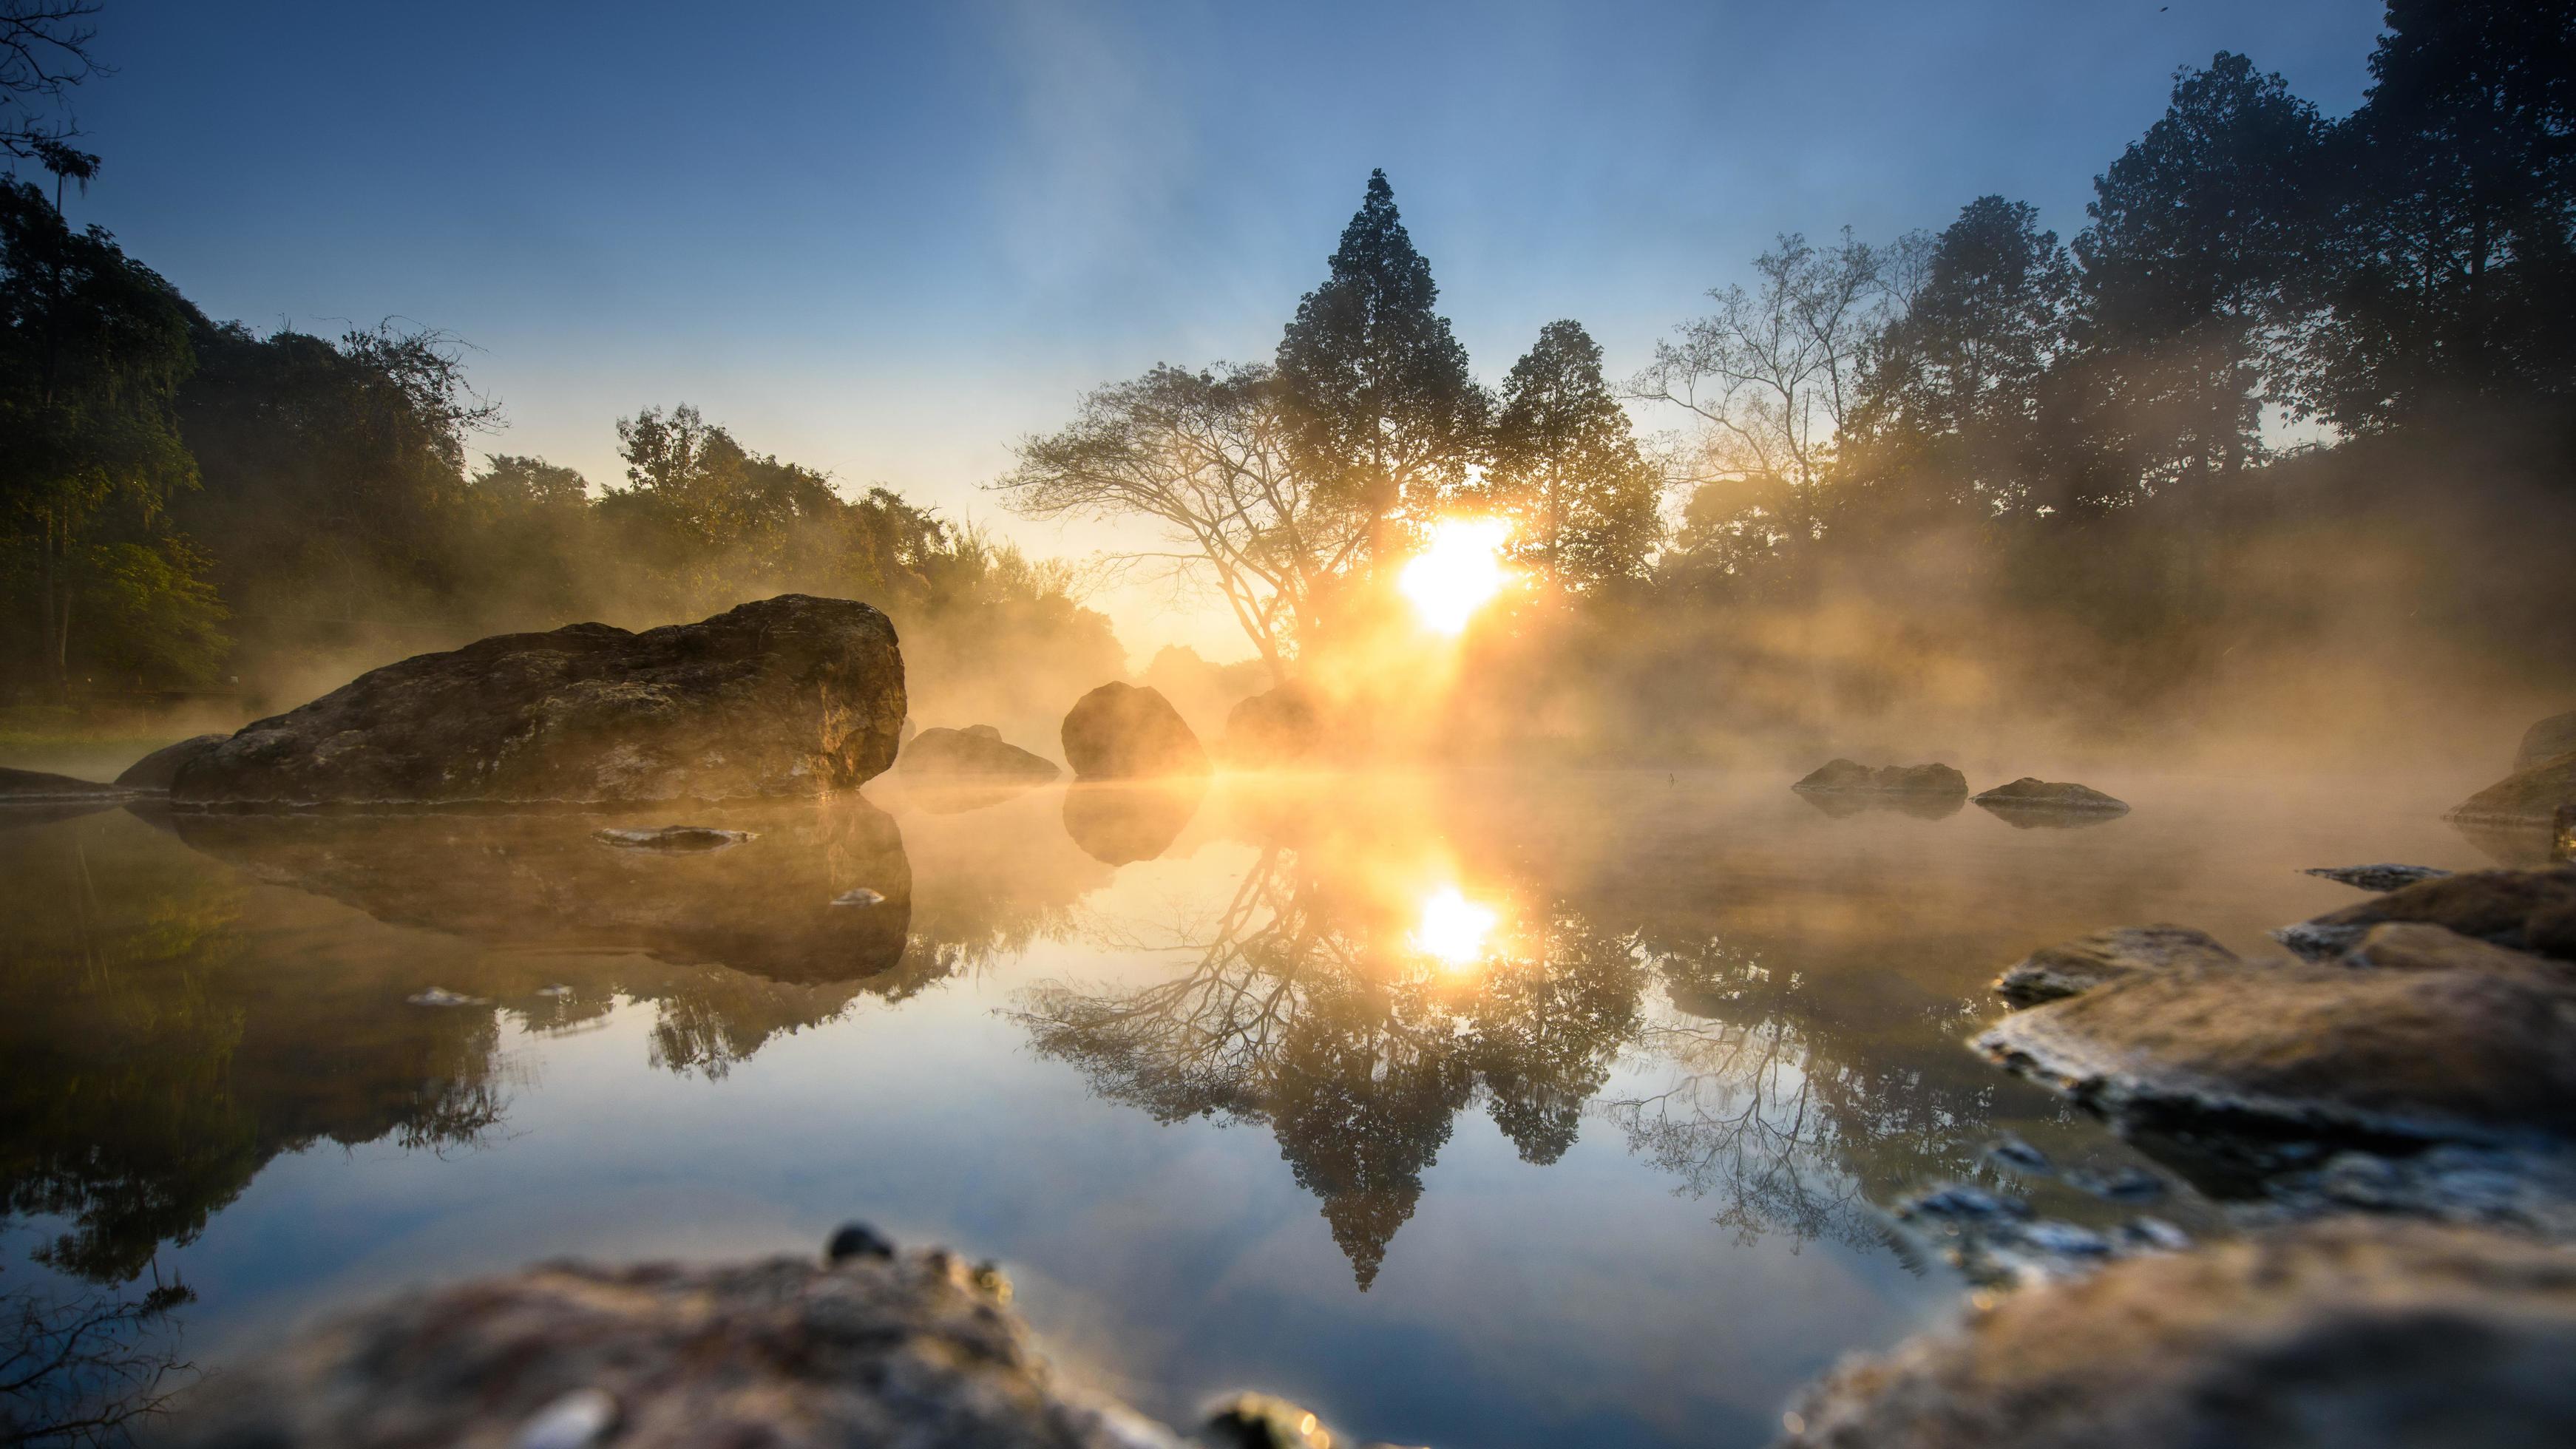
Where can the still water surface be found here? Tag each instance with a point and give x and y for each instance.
(1466, 1109)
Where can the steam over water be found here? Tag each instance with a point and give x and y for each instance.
(1465, 1109)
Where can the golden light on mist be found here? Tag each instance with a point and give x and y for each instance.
(1459, 573)
(1454, 929)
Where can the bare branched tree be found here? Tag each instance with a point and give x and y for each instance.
(87, 1368)
(44, 52)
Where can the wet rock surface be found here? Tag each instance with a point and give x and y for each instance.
(2037, 796)
(671, 837)
(876, 1348)
(788, 696)
(2546, 740)
(2356, 1335)
(156, 770)
(2072, 967)
(1275, 727)
(1851, 777)
(2530, 796)
(1129, 732)
(2530, 910)
(1997, 1240)
(2484, 1051)
(2380, 877)
(976, 753)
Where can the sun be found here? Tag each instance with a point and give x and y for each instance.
(1454, 929)
(1457, 574)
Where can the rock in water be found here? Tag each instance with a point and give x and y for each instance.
(1853, 778)
(1129, 732)
(2354, 1333)
(2532, 795)
(977, 752)
(1123, 824)
(2527, 910)
(2547, 740)
(2482, 1052)
(1274, 727)
(156, 770)
(2382, 877)
(2071, 967)
(2032, 794)
(672, 837)
(913, 1349)
(792, 695)
(36, 787)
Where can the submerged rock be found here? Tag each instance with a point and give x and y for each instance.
(789, 696)
(672, 837)
(2382, 877)
(1851, 777)
(2070, 967)
(2529, 796)
(911, 1350)
(2028, 795)
(2546, 740)
(2527, 910)
(2359, 1335)
(977, 752)
(156, 770)
(2483, 1052)
(1994, 1239)
(1274, 727)
(1129, 732)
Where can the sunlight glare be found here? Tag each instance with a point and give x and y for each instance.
(1457, 574)
(1454, 929)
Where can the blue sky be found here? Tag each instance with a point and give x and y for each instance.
(888, 240)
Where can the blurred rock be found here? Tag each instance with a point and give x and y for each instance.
(2526, 910)
(1129, 732)
(910, 1351)
(2359, 1335)
(672, 837)
(794, 695)
(2381, 877)
(975, 753)
(156, 770)
(2546, 740)
(2413, 946)
(2483, 1052)
(2050, 796)
(1850, 777)
(2532, 795)
(2117, 954)
(1274, 727)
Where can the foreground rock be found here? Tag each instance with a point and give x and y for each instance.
(789, 696)
(2480, 1046)
(1129, 732)
(1851, 777)
(2072, 967)
(2381, 877)
(975, 753)
(2527, 910)
(2546, 740)
(158, 769)
(2350, 1334)
(2531, 796)
(1275, 727)
(2028, 794)
(910, 1351)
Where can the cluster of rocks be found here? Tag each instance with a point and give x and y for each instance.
(2026, 801)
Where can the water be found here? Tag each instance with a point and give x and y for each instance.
(1473, 1108)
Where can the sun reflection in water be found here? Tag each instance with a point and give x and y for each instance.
(1454, 929)
(1457, 574)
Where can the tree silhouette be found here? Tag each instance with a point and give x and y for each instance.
(1565, 466)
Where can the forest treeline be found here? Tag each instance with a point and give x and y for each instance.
(2296, 406)
(190, 506)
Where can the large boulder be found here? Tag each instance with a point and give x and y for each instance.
(1852, 777)
(2351, 1333)
(1274, 727)
(904, 1350)
(1129, 732)
(2070, 968)
(977, 752)
(157, 770)
(2032, 794)
(789, 696)
(2527, 910)
(2532, 795)
(2484, 1050)
(2547, 740)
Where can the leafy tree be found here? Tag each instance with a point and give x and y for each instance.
(530, 482)
(1565, 466)
(1383, 414)
(93, 348)
(2196, 232)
